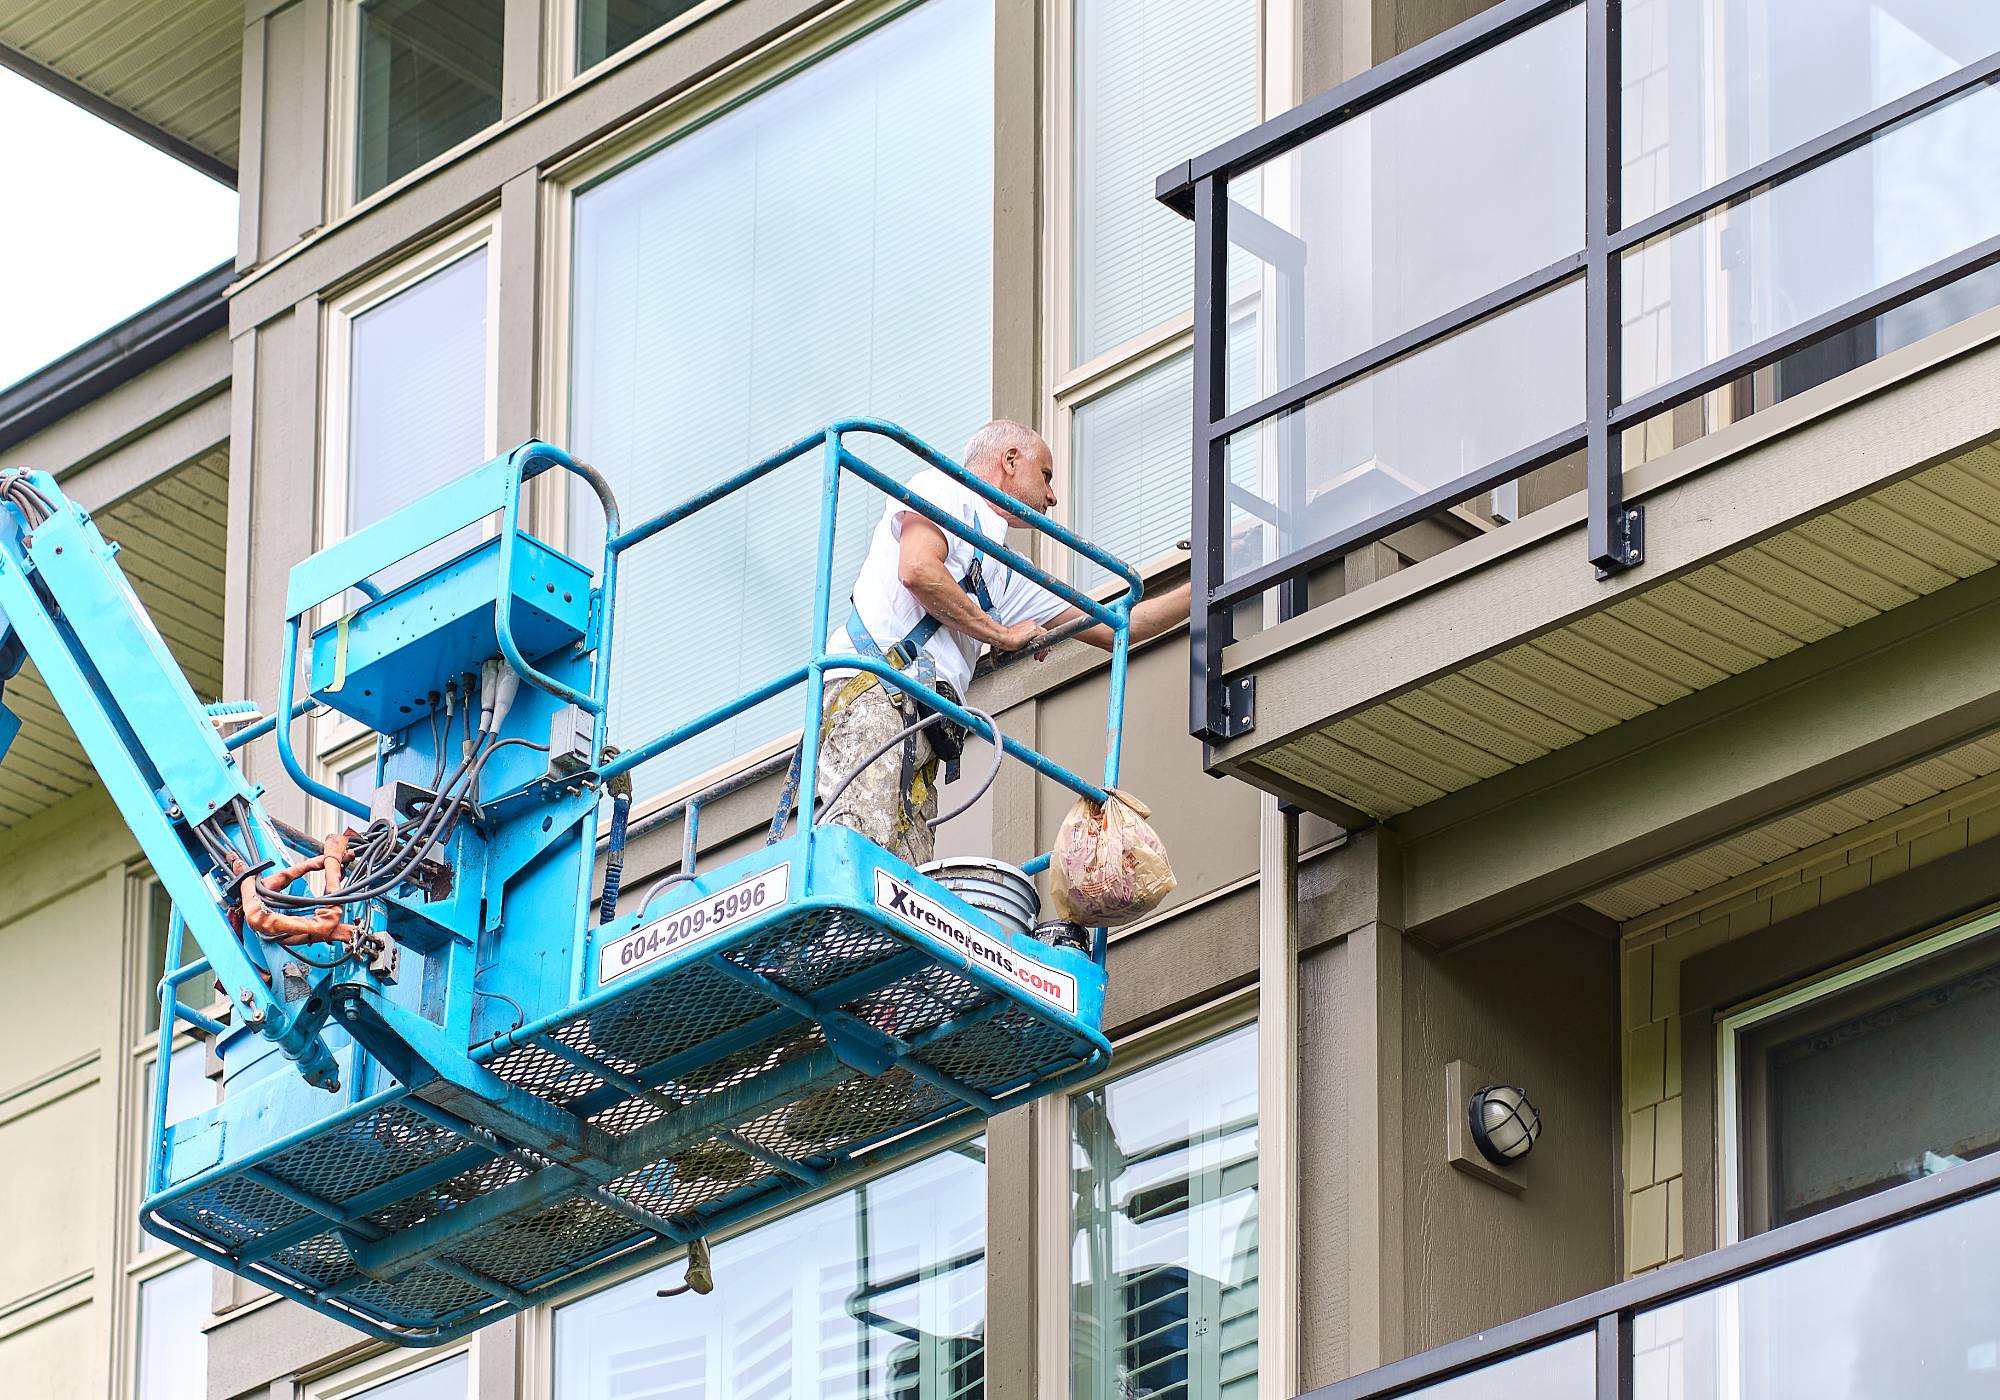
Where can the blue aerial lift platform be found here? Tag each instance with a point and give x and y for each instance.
(456, 1081)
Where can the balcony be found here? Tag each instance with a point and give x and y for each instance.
(1587, 358)
(1886, 1296)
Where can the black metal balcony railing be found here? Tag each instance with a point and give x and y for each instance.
(1888, 1296)
(1492, 253)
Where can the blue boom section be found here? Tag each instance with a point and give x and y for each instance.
(469, 1094)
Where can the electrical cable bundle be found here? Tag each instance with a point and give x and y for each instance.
(20, 493)
(375, 861)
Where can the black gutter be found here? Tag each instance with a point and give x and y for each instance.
(105, 109)
(99, 365)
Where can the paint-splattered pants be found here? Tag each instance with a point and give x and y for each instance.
(875, 803)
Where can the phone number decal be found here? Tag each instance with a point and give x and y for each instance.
(696, 923)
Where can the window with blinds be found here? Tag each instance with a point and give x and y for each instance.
(1164, 1231)
(822, 251)
(875, 1294)
(416, 400)
(1154, 82)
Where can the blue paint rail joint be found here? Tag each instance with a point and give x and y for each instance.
(456, 1083)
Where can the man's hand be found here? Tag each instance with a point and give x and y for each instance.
(1021, 636)
(1150, 618)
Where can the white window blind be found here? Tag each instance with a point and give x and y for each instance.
(1157, 81)
(876, 1294)
(173, 1351)
(1131, 449)
(416, 400)
(822, 251)
(1164, 1245)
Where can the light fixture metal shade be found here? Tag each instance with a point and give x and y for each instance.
(1504, 1124)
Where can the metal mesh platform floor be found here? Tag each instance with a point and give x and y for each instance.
(715, 1084)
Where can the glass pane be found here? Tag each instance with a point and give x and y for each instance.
(1429, 201)
(429, 79)
(1436, 415)
(1164, 1235)
(1883, 1082)
(189, 1089)
(1565, 1370)
(1157, 81)
(744, 286)
(445, 1380)
(603, 27)
(416, 401)
(173, 1353)
(1130, 452)
(1907, 1311)
(876, 1294)
(1914, 195)
(1714, 87)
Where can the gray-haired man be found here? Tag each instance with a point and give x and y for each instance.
(928, 602)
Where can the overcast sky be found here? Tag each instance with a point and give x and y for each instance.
(99, 225)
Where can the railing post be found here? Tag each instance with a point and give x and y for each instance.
(1617, 540)
(1215, 711)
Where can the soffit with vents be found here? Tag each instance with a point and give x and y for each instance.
(176, 65)
(1657, 645)
(172, 541)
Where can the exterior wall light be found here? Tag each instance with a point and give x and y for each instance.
(1489, 1126)
(1503, 1123)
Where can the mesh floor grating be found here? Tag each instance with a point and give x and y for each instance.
(770, 1115)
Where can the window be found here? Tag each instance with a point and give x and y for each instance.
(411, 389)
(1877, 1076)
(428, 78)
(1152, 82)
(173, 1352)
(399, 1376)
(1164, 1233)
(604, 27)
(876, 1294)
(822, 251)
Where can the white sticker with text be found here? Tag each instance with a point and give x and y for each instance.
(980, 947)
(694, 923)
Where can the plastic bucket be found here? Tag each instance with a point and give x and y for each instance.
(991, 886)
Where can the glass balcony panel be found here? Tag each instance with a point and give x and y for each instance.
(1714, 87)
(1564, 1370)
(1432, 417)
(1904, 1311)
(1771, 262)
(1414, 208)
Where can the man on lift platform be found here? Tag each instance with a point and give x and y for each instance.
(926, 602)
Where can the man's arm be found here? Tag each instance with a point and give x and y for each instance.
(1150, 617)
(922, 567)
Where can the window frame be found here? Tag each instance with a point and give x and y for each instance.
(559, 47)
(1280, 85)
(354, 1379)
(1733, 1148)
(343, 115)
(1132, 1053)
(338, 311)
(678, 116)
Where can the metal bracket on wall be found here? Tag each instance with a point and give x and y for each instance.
(1628, 542)
(1235, 707)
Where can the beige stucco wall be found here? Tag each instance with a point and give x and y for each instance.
(1656, 1134)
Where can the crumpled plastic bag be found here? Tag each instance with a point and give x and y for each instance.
(1109, 866)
